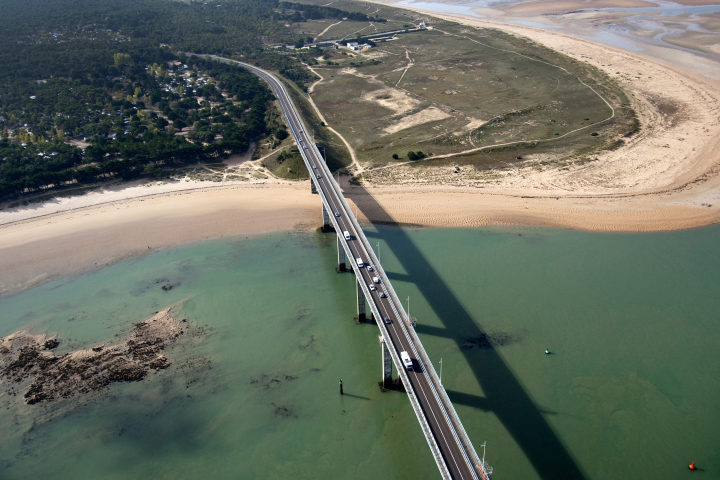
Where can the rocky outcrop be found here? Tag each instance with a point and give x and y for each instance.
(27, 358)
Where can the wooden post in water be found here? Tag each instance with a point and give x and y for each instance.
(341, 390)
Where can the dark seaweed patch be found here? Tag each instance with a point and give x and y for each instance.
(490, 340)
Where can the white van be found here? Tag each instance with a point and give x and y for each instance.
(359, 262)
(406, 360)
(376, 280)
(346, 234)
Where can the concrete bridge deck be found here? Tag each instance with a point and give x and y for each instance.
(451, 447)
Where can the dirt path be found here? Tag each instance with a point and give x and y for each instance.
(328, 28)
(355, 166)
(410, 64)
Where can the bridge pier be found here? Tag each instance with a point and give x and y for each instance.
(312, 187)
(341, 256)
(327, 226)
(360, 303)
(387, 381)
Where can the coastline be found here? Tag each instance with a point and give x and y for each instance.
(36, 250)
(659, 182)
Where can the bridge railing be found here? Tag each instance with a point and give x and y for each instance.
(479, 469)
(386, 337)
(438, 390)
(477, 466)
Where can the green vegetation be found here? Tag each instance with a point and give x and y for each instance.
(128, 120)
(97, 90)
(303, 12)
(457, 89)
(94, 90)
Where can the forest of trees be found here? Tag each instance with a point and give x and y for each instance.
(126, 139)
(100, 71)
(315, 12)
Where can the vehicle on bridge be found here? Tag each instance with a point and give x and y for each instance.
(387, 320)
(346, 234)
(376, 280)
(359, 262)
(406, 360)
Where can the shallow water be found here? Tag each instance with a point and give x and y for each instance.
(631, 386)
(625, 33)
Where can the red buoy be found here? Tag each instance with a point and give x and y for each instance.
(692, 466)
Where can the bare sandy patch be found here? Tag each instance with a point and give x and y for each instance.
(534, 8)
(393, 99)
(80, 238)
(473, 124)
(428, 115)
(355, 72)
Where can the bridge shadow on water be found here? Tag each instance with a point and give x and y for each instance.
(504, 395)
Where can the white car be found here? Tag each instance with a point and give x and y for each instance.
(337, 214)
(370, 269)
(382, 294)
(406, 360)
(372, 287)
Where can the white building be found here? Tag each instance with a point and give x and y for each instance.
(357, 47)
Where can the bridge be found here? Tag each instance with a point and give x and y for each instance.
(449, 443)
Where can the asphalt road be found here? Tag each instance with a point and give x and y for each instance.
(442, 430)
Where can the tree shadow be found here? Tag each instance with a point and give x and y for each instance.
(504, 394)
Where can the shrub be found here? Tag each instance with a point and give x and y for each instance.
(281, 134)
(395, 156)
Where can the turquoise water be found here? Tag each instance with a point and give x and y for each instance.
(631, 389)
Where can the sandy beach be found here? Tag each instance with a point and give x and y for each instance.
(666, 178)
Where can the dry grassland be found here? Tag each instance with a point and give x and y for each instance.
(494, 97)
